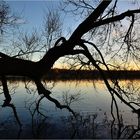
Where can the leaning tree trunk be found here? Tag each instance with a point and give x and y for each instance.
(19, 67)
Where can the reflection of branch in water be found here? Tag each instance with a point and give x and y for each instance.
(34, 109)
(49, 84)
(40, 127)
(15, 115)
(88, 126)
(36, 128)
(37, 106)
(14, 111)
(5, 90)
(112, 124)
(69, 99)
(118, 116)
(33, 101)
(122, 131)
(8, 100)
(41, 90)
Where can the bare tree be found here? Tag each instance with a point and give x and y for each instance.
(27, 45)
(7, 19)
(105, 28)
(52, 28)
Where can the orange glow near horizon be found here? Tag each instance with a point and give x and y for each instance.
(131, 66)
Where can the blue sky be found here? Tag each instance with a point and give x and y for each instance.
(32, 12)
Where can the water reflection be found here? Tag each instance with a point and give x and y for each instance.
(35, 111)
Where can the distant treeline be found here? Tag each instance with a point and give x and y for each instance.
(63, 74)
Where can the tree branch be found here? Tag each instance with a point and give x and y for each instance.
(74, 52)
(41, 90)
(2, 55)
(86, 24)
(113, 19)
(110, 89)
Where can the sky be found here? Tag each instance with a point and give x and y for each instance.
(33, 12)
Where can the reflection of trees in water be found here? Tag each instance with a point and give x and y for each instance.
(88, 126)
(132, 90)
(68, 99)
(32, 105)
(76, 125)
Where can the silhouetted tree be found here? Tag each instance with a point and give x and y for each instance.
(100, 30)
(7, 19)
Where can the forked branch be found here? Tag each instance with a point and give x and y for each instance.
(41, 90)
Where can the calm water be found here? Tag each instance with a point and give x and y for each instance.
(89, 99)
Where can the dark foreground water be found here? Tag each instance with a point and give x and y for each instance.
(31, 116)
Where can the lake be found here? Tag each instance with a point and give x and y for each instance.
(29, 115)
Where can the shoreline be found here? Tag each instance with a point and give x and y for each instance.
(64, 74)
